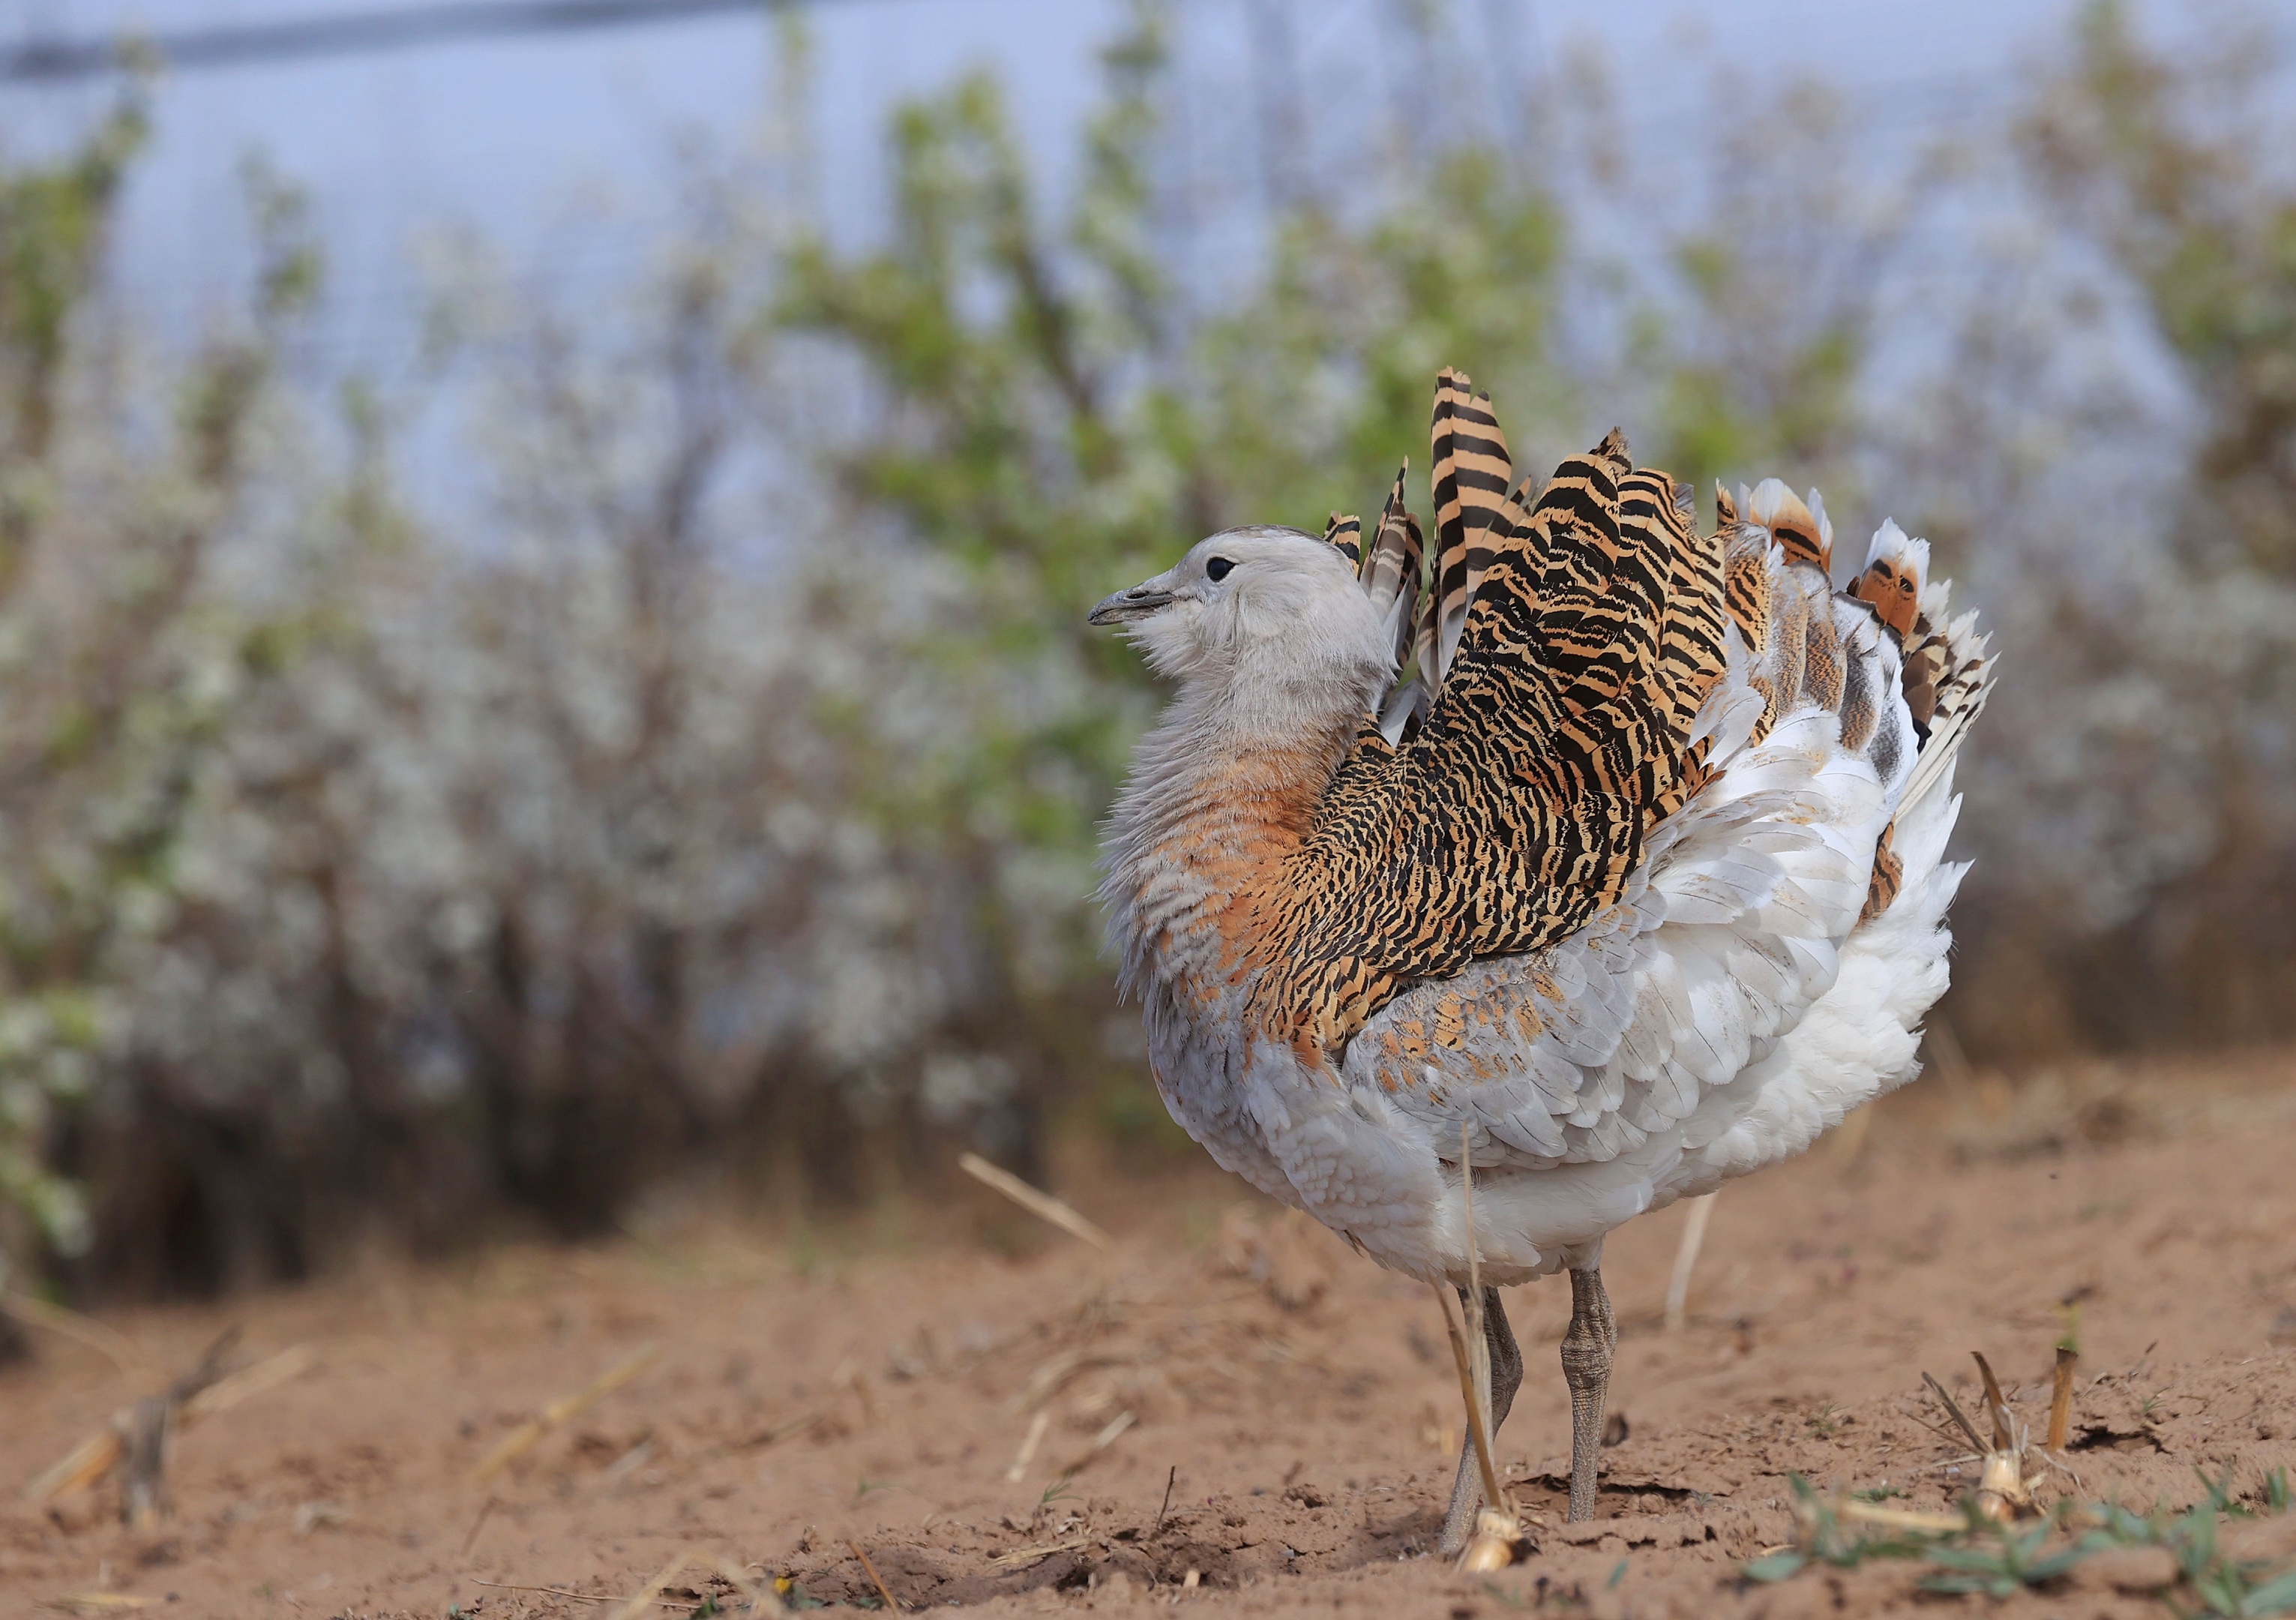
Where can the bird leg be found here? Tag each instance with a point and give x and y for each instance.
(1587, 1346)
(1506, 1377)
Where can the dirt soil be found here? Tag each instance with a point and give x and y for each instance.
(1230, 1392)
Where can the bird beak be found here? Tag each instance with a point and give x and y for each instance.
(1142, 600)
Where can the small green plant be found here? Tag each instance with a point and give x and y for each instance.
(1058, 1491)
(1825, 1540)
(2226, 1586)
(2005, 1562)
(1998, 1561)
(1877, 1493)
(1545, 1596)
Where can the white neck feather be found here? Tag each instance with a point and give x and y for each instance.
(1221, 792)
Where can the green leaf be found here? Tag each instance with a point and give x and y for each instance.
(2274, 1597)
(1775, 1566)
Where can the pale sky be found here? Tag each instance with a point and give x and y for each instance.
(523, 138)
(556, 149)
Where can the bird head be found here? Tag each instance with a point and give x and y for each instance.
(1260, 601)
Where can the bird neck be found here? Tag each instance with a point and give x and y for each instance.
(1221, 794)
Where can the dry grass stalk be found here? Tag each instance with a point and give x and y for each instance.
(780, 1432)
(628, 1463)
(98, 1602)
(1900, 1518)
(2005, 1426)
(762, 1599)
(93, 1458)
(114, 1347)
(1477, 1434)
(1027, 1454)
(1101, 1442)
(477, 1524)
(579, 1597)
(1685, 1262)
(555, 1591)
(1031, 1555)
(1041, 1204)
(561, 1411)
(1953, 1411)
(848, 1375)
(139, 1434)
(643, 1601)
(2004, 1487)
(221, 1397)
(312, 1515)
(1943, 1048)
(2061, 1399)
(2002, 1492)
(1850, 1140)
(892, 1605)
(1479, 1345)
(1047, 1380)
(87, 1463)
(1497, 1539)
(138, 1438)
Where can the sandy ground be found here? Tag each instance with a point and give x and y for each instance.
(810, 1398)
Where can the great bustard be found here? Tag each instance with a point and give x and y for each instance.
(1634, 885)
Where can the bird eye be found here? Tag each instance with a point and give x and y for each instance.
(1217, 569)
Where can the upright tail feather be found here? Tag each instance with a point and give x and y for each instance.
(1895, 565)
(1796, 522)
(1581, 608)
(1472, 469)
(1966, 682)
(1391, 568)
(1947, 671)
(1392, 572)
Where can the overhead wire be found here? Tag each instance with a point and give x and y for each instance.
(348, 34)
(1893, 104)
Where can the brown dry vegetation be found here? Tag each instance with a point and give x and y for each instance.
(873, 1390)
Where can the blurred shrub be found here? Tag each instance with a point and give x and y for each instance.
(725, 807)
(125, 648)
(2136, 811)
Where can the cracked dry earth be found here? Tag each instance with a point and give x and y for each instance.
(1298, 1403)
